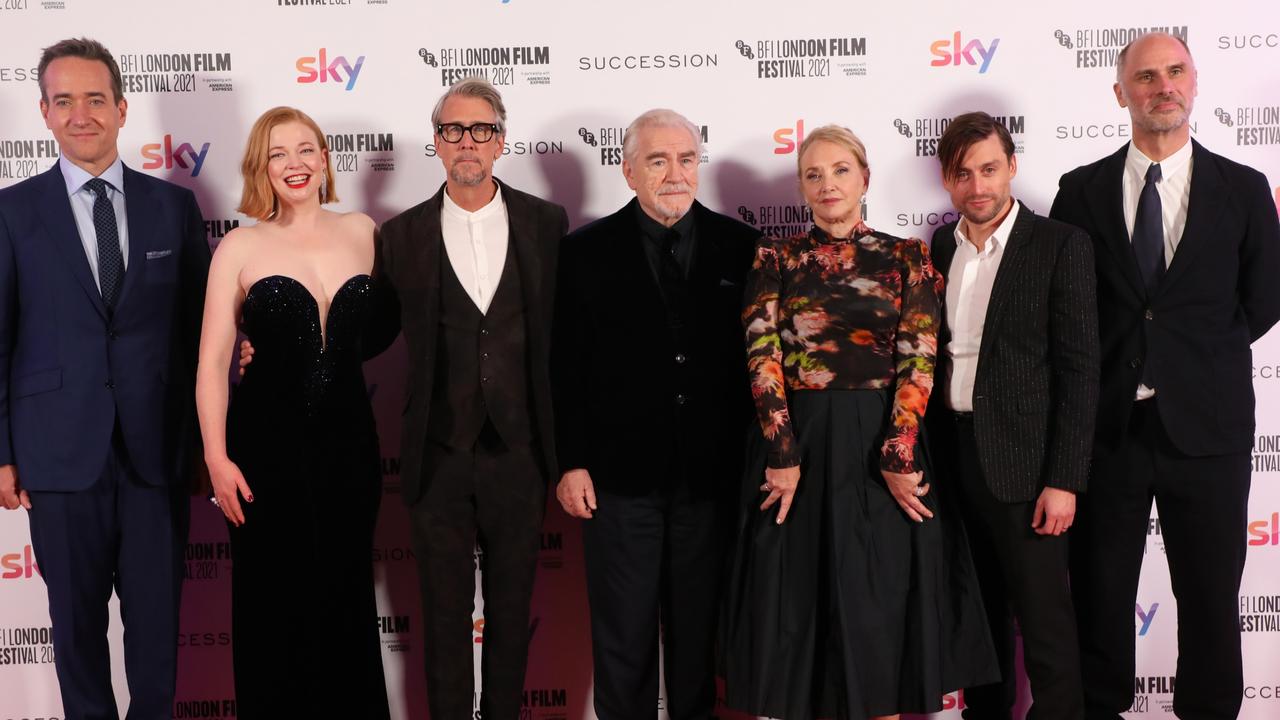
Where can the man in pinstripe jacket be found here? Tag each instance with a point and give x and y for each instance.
(1012, 417)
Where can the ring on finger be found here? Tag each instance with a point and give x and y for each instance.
(215, 502)
(919, 491)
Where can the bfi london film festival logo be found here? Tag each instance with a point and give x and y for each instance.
(925, 132)
(1100, 47)
(15, 6)
(1266, 454)
(1260, 613)
(168, 154)
(503, 66)
(204, 708)
(956, 50)
(537, 704)
(21, 158)
(324, 68)
(806, 57)
(608, 141)
(1152, 687)
(328, 3)
(26, 645)
(1155, 537)
(1252, 125)
(174, 73)
(375, 150)
(395, 633)
(207, 561)
(215, 230)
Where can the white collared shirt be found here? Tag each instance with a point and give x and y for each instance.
(476, 244)
(1175, 195)
(82, 200)
(969, 282)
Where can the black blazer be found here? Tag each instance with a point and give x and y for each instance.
(1218, 295)
(70, 371)
(613, 359)
(1036, 387)
(411, 253)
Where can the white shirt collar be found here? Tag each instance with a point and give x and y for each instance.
(1137, 161)
(76, 176)
(998, 237)
(493, 207)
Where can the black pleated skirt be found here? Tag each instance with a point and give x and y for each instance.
(849, 609)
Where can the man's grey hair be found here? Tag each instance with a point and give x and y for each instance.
(1124, 52)
(476, 87)
(658, 118)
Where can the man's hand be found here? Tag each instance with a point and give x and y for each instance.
(11, 494)
(576, 493)
(1054, 511)
(781, 484)
(246, 355)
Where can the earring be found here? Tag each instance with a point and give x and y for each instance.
(324, 186)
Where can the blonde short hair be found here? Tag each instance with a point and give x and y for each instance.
(836, 135)
(258, 200)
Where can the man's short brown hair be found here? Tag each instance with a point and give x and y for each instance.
(963, 133)
(85, 49)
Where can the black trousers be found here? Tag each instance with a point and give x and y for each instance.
(655, 556)
(117, 534)
(1203, 505)
(1022, 575)
(493, 495)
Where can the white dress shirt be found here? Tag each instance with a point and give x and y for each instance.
(82, 200)
(969, 281)
(1175, 195)
(476, 244)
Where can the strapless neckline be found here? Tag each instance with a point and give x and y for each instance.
(323, 321)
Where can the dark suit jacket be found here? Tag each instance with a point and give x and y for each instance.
(1218, 295)
(1036, 387)
(411, 253)
(614, 359)
(68, 370)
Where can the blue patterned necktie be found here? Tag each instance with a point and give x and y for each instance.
(1148, 231)
(110, 259)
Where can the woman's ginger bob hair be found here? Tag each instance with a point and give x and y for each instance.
(258, 200)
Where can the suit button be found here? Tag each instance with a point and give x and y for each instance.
(681, 399)
(680, 358)
(484, 356)
(1135, 362)
(1148, 315)
(112, 335)
(109, 385)
(484, 380)
(484, 332)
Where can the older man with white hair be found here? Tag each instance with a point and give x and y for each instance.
(652, 403)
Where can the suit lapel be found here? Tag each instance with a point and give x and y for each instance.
(943, 251)
(704, 276)
(1204, 209)
(521, 233)
(636, 280)
(1006, 276)
(1106, 202)
(140, 211)
(55, 212)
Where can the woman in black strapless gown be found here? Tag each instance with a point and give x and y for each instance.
(298, 475)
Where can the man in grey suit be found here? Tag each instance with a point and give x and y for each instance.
(1018, 385)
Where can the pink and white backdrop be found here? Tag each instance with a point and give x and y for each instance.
(574, 73)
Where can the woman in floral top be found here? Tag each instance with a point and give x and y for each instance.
(863, 603)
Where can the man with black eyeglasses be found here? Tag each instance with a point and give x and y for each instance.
(474, 269)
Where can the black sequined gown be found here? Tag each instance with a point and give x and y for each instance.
(300, 427)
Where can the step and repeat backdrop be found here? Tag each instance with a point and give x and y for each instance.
(754, 77)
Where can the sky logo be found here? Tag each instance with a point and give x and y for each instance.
(320, 68)
(1265, 532)
(788, 139)
(955, 50)
(18, 564)
(1145, 617)
(165, 155)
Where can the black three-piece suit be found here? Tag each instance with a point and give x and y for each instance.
(1031, 427)
(477, 444)
(1188, 446)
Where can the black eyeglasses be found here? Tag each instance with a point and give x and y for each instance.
(480, 132)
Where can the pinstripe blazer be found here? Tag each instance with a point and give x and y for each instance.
(1036, 388)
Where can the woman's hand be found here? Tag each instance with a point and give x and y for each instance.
(907, 490)
(781, 484)
(228, 487)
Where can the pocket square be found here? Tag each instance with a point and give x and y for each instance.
(727, 283)
(157, 254)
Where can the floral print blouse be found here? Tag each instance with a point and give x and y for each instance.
(826, 313)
